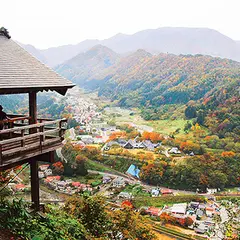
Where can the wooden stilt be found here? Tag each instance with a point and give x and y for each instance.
(34, 163)
(35, 184)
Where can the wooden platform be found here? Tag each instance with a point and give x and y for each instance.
(20, 144)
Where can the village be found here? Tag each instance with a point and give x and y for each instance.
(204, 218)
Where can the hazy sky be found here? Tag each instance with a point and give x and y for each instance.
(47, 23)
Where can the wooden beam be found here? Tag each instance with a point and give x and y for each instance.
(46, 156)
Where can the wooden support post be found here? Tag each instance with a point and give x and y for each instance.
(33, 107)
(35, 184)
(42, 137)
(61, 131)
(34, 163)
(1, 160)
(23, 140)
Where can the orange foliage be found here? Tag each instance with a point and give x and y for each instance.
(126, 203)
(58, 165)
(153, 136)
(116, 135)
(228, 154)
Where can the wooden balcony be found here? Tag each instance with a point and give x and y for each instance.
(22, 141)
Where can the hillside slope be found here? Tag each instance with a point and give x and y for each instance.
(161, 84)
(85, 66)
(143, 79)
(168, 79)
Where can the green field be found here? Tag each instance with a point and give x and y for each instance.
(120, 115)
(167, 126)
(163, 200)
(88, 179)
(92, 165)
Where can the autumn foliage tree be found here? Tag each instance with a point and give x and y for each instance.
(152, 173)
(58, 168)
(130, 224)
(153, 136)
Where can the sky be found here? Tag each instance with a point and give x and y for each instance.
(51, 23)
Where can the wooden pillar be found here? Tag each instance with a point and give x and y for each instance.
(33, 107)
(34, 164)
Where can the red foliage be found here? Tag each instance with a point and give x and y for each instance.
(126, 203)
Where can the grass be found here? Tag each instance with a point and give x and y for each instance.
(163, 200)
(167, 126)
(88, 179)
(162, 126)
(136, 190)
(136, 151)
(92, 165)
(211, 150)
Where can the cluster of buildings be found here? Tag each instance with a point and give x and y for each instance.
(83, 110)
(133, 144)
(201, 214)
(56, 183)
(17, 186)
(66, 186)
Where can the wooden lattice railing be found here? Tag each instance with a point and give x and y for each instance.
(21, 142)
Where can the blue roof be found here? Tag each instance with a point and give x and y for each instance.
(133, 170)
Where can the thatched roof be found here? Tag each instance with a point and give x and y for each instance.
(20, 72)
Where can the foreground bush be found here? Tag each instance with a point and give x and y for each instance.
(55, 224)
(82, 218)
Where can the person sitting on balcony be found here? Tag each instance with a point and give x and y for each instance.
(3, 116)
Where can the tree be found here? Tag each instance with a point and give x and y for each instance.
(200, 117)
(90, 210)
(152, 173)
(80, 165)
(188, 222)
(190, 112)
(130, 224)
(58, 168)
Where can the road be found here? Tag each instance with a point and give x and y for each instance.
(135, 181)
(128, 178)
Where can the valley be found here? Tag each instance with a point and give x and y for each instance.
(151, 143)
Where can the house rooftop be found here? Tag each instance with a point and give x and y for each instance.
(20, 72)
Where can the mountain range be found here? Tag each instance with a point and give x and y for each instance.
(155, 80)
(162, 40)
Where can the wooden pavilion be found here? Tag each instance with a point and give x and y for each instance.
(28, 139)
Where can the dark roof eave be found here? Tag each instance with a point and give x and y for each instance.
(17, 90)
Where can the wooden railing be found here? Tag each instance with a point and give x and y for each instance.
(34, 138)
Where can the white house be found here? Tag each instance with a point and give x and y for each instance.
(48, 172)
(211, 190)
(119, 182)
(43, 167)
(41, 174)
(106, 179)
(155, 192)
(179, 208)
(175, 150)
(125, 195)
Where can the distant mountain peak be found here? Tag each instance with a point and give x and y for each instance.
(175, 40)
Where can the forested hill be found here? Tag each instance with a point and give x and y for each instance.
(162, 84)
(168, 79)
(143, 79)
